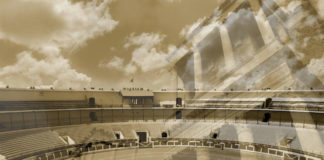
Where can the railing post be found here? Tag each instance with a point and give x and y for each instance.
(304, 121)
(80, 116)
(58, 118)
(163, 115)
(101, 115)
(23, 119)
(235, 118)
(10, 117)
(70, 117)
(245, 115)
(35, 117)
(112, 115)
(225, 115)
(204, 115)
(280, 118)
(257, 116)
(270, 115)
(46, 156)
(46, 118)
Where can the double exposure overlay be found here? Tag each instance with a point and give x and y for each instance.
(162, 79)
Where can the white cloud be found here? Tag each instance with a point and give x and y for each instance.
(196, 32)
(147, 55)
(115, 62)
(145, 40)
(130, 68)
(172, 1)
(53, 28)
(29, 71)
(320, 5)
(56, 24)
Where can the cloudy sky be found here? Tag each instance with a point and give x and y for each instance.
(100, 43)
(96, 43)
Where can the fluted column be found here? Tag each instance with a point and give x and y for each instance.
(227, 48)
(262, 22)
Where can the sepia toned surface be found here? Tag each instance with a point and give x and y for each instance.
(161, 79)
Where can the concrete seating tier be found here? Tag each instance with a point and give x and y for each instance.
(16, 120)
(25, 142)
(252, 133)
(18, 143)
(102, 149)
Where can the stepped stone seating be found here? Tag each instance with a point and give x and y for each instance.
(86, 133)
(17, 143)
(26, 142)
(310, 140)
(262, 134)
(226, 102)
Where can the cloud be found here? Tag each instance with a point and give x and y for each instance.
(146, 56)
(188, 30)
(244, 20)
(130, 68)
(115, 62)
(56, 24)
(172, 1)
(29, 71)
(320, 5)
(243, 30)
(52, 28)
(145, 40)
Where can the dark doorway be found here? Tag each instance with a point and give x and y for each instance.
(142, 136)
(117, 135)
(266, 117)
(267, 103)
(178, 115)
(92, 102)
(93, 116)
(164, 135)
(215, 135)
(179, 102)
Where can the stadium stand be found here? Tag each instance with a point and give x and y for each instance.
(252, 137)
(18, 143)
(15, 120)
(276, 126)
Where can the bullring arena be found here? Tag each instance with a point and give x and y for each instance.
(230, 79)
(64, 124)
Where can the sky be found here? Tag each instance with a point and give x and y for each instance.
(100, 43)
(106, 43)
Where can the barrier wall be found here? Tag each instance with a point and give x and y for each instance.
(78, 150)
(15, 120)
(114, 98)
(107, 98)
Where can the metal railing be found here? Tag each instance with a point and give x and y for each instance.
(93, 147)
